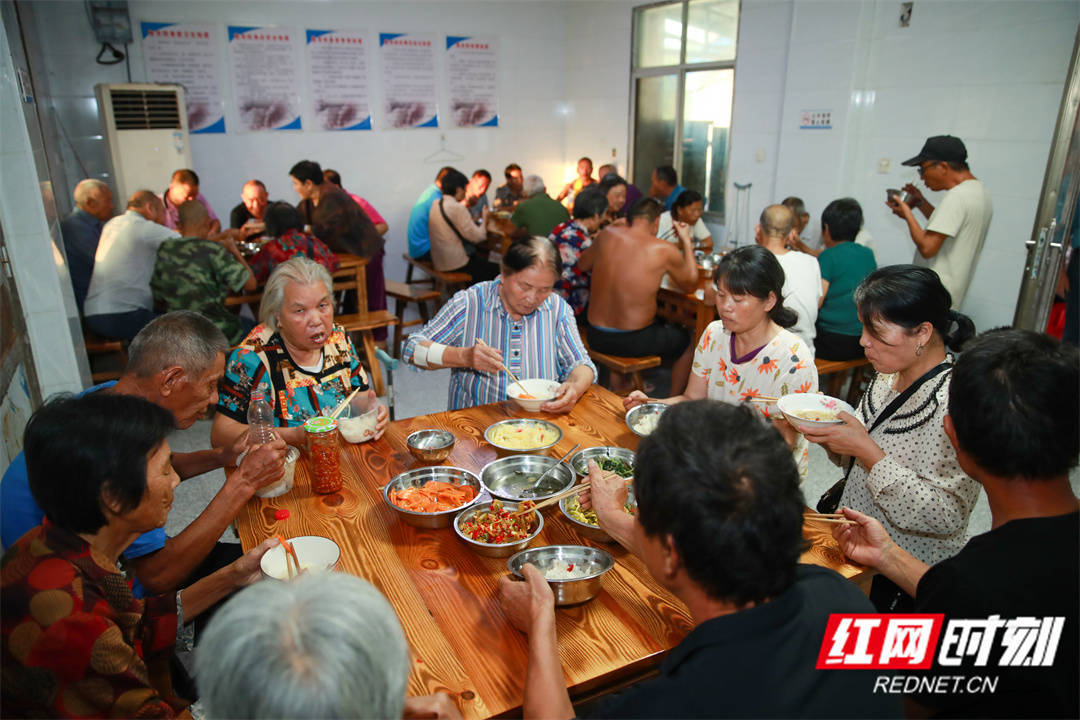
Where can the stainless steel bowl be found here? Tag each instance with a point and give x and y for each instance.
(567, 592)
(633, 415)
(580, 460)
(902, 195)
(419, 476)
(431, 445)
(507, 478)
(555, 430)
(592, 532)
(491, 549)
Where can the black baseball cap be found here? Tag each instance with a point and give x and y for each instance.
(940, 148)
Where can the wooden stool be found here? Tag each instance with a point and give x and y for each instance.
(625, 366)
(446, 283)
(403, 294)
(105, 348)
(841, 370)
(364, 323)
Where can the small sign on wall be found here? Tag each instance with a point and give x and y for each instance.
(815, 120)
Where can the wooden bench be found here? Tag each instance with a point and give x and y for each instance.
(403, 294)
(840, 371)
(364, 323)
(631, 367)
(446, 283)
(105, 348)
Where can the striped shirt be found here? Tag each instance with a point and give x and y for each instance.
(543, 344)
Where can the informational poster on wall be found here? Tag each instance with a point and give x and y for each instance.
(338, 79)
(472, 81)
(188, 55)
(266, 80)
(410, 97)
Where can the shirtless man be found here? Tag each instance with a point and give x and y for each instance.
(628, 264)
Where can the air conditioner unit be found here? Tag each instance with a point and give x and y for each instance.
(146, 129)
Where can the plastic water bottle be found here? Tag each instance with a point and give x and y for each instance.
(260, 419)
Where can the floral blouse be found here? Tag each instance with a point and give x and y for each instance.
(572, 239)
(785, 365)
(76, 643)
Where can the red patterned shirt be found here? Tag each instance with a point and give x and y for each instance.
(572, 239)
(292, 242)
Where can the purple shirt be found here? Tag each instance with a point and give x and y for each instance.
(632, 196)
(172, 212)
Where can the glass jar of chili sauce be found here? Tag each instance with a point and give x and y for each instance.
(324, 449)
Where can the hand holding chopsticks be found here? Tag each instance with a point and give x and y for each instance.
(554, 499)
(479, 341)
(290, 554)
(834, 518)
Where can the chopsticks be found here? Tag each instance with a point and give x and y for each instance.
(480, 341)
(290, 554)
(344, 404)
(834, 518)
(764, 399)
(554, 499)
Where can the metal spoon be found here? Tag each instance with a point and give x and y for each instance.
(535, 489)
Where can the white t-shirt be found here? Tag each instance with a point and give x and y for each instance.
(802, 290)
(964, 217)
(123, 265)
(667, 230)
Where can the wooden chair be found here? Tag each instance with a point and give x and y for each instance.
(446, 283)
(631, 367)
(839, 371)
(364, 323)
(403, 294)
(113, 352)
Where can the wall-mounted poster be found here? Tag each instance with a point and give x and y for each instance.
(408, 75)
(338, 79)
(265, 79)
(188, 55)
(472, 81)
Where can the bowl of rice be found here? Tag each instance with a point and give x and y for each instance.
(809, 411)
(574, 572)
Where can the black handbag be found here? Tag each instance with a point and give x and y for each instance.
(830, 499)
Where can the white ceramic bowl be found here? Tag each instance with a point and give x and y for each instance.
(542, 390)
(315, 554)
(796, 405)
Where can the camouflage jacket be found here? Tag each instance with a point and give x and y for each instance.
(195, 274)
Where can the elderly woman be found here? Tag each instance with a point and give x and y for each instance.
(286, 227)
(75, 642)
(303, 363)
(749, 352)
(900, 467)
(515, 319)
(687, 208)
(573, 240)
(335, 626)
(613, 188)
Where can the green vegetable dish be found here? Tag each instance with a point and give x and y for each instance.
(616, 465)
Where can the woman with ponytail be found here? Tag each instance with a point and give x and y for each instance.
(899, 465)
(749, 352)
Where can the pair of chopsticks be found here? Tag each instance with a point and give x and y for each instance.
(290, 554)
(834, 518)
(480, 341)
(764, 399)
(554, 499)
(344, 404)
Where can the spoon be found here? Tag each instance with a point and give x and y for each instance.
(535, 489)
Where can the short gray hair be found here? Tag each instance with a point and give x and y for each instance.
(88, 188)
(532, 185)
(182, 338)
(298, 269)
(326, 645)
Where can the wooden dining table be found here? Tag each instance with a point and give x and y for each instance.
(446, 595)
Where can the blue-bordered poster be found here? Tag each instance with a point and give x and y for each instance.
(410, 96)
(266, 82)
(472, 81)
(190, 56)
(338, 79)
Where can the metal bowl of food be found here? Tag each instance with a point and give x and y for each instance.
(642, 419)
(893, 194)
(489, 521)
(574, 572)
(613, 459)
(434, 508)
(431, 445)
(579, 519)
(523, 436)
(514, 478)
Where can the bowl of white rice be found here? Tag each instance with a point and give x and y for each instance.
(574, 572)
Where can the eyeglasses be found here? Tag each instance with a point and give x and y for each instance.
(924, 168)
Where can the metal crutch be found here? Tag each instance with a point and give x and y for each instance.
(391, 365)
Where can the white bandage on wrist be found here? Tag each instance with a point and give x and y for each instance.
(434, 353)
(419, 356)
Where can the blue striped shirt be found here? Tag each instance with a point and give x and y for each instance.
(543, 344)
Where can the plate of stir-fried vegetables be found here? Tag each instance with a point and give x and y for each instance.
(496, 530)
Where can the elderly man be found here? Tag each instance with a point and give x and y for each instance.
(538, 213)
(508, 195)
(622, 296)
(329, 646)
(195, 273)
(176, 362)
(184, 186)
(454, 235)
(120, 303)
(81, 230)
(665, 185)
(476, 193)
(249, 217)
(1015, 435)
(956, 230)
(802, 275)
(417, 233)
(723, 533)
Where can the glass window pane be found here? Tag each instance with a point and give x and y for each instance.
(711, 27)
(706, 126)
(658, 35)
(654, 127)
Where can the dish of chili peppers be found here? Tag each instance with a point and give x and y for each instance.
(497, 525)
